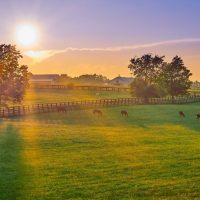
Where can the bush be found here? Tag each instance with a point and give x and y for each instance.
(142, 89)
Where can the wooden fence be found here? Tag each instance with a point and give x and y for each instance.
(80, 105)
(82, 87)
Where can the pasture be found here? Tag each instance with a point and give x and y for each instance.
(34, 96)
(152, 154)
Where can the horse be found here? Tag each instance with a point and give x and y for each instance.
(124, 113)
(98, 112)
(61, 109)
(198, 116)
(181, 114)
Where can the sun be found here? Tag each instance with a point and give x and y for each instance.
(26, 35)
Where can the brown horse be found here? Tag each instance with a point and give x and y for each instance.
(198, 116)
(181, 114)
(97, 112)
(124, 113)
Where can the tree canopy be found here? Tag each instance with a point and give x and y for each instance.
(146, 67)
(174, 77)
(13, 77)
(91, 79)
(154, 77)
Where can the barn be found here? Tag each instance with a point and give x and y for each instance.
(43, 79)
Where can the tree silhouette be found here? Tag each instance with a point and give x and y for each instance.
(174, 77)
(146, 67)
(13, 78)
(154, 77)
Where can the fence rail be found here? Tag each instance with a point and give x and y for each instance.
(88, 104)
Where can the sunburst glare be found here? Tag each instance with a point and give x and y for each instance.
(26, 35)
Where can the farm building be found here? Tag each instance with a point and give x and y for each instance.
(43, 79)
(123, 81)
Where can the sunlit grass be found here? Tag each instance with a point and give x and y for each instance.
(152, 154)
(55, 95)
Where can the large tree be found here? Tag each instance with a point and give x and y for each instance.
(146, 70)
(154, 77)
(13, 77)
(146, 67)
(174, 77)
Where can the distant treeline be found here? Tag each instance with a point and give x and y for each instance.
(83, 79)
(64, 79)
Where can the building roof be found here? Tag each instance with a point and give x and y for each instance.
(41, 80)
(121, 80)
(44, 76)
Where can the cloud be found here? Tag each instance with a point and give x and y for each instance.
(41, 55)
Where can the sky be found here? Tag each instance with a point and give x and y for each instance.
(101, 36)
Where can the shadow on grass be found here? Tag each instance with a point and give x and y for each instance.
(11, 165)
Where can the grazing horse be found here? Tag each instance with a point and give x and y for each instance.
(98, 112)
(181, 114)
(198, 116)
(124, 113)
(61, 109)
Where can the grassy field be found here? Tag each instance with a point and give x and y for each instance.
(152, 154)
(55, 95)
(34, 96)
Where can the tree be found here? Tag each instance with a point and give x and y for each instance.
(63, 79)
(91, 79)
(174, 77)
(146, 70)
(146, 67)
(142, 89)
(13, 77)
(157, 77)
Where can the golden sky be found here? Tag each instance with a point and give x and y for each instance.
(100, 36)
(110, 61)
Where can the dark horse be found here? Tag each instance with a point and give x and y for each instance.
(124, 113)
(97, 112)
(61, 109)
(181, 114)
(198, 116)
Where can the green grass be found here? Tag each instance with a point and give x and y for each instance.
(152, 154)
(35, 96)
(55, 95)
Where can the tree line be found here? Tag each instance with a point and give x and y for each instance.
(154, 77)
(93, 79)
